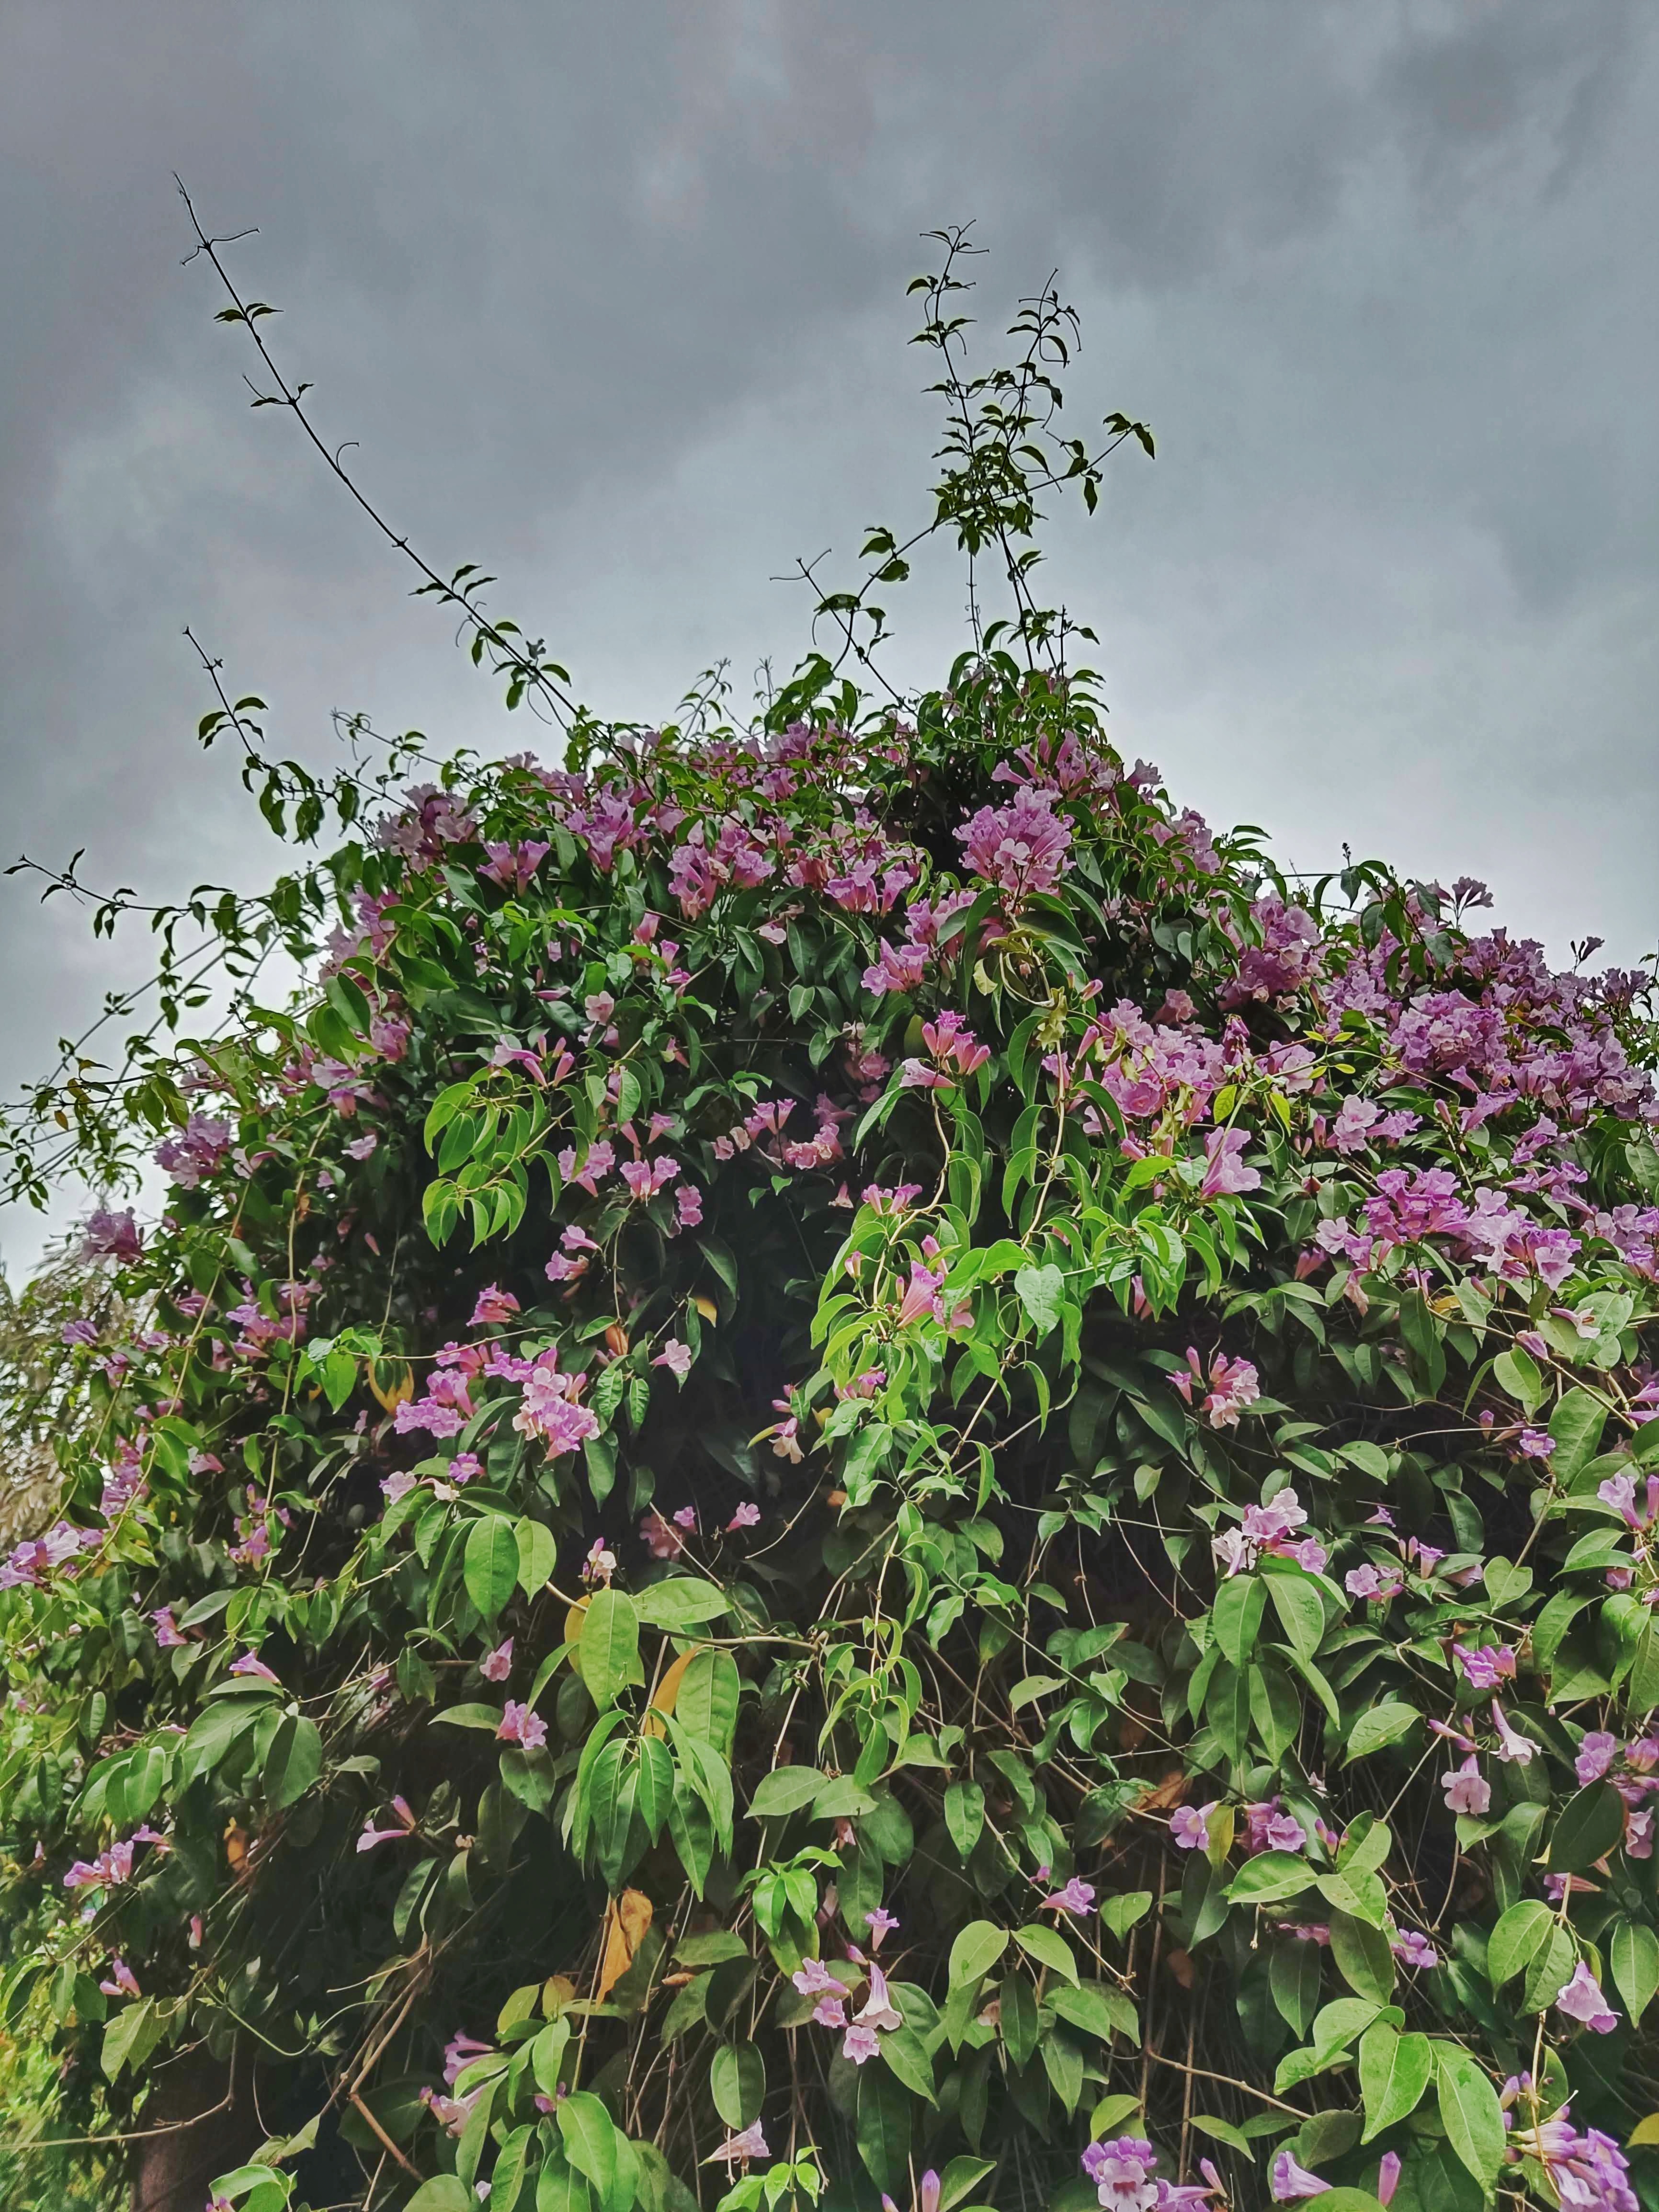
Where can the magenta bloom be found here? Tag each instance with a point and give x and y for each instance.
(746, 1516)
(1467, 1789)
(520, 1726)
(675, 1358)
(249, 1664)
(1487, 1666)
(494, 1305)
(1511, 1744)
(1582, 1999)
(1189, 1826)
(881, 1923)
(1414, 1949)
(1226, 1174)
(1020, 847)
(1595, 1754)
(1076, 1897)
(738, 2149)
(495, 1666)
(1387, 2177)
(167, 1635)
(1289, 2181)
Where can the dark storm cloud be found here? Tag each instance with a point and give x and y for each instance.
(612, 298)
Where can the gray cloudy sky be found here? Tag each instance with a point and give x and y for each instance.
(612, 298)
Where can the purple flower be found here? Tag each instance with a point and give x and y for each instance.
(675, 1358)
(1226, 1174)
(738, 2149)
(167, 1634)
(881, 1923)
(1020, 847)
(1512, 1745)
(1582, 1999)
(878, 2009)
(249, 1664)
(1388, 2178)
(1467, 1789)
(1414, 1949)
(1124, 2173)
(1076, 1896)
(121, 1982)
(1289, 2180)
(860, 2043)
(1488, 1666)
(111, 1237)
(520, 1726)
(1596, 1753)
(746, 1516)
(495, 1666)
(1284, 1833)
(494, 1305)
(459, 2053)
(1189, 1826)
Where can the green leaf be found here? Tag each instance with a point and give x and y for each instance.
(129, 2037)
(1340, 2023)
(539, 1554)
(906, 2054)
(1270, 1877)
(1121, 1913)
(472, 1717)
(1300, 1608)
(443, 2193)
(1237, 1616)
(1591, 1824)
(490, 1565)
(590, 2139)
(737, 2082)
(1470, 2111)
(1049, 1948)
(974, 1952)
(1101, 2010)
(608, 1652)
(708, 1702)
(294, 1761)
(882, 2126)
(1362, 1957)
(1042, 1291)
(1360, 1895)
(1224, 2131)
(1576, 1425)
(1519, 1932)
(783, 1791)
(1293, 1978)
(964, 1816)
(1394, 2072)
(1633, 1957)
(680, 1603)
(1516, 1372)
(1378, 1726)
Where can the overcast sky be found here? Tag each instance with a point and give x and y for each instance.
(612, 298)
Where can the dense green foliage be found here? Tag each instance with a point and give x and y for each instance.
(870, 1467)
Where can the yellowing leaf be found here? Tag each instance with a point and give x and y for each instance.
(626, 1920)
(398, 1390)
(663, 1698)
(707, 1308)
(573, 1619)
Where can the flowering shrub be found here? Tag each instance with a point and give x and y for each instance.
(858, 1468)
